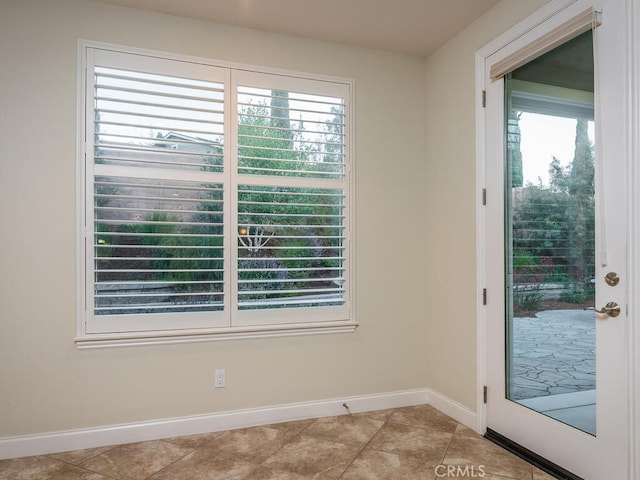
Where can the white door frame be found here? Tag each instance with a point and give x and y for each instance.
(633, 151)
(631, 58)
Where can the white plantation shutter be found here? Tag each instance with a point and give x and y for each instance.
(290, 134)
(155, 150)
(207, 215)
(292, 213)
(291, 247)
(157, 239)
(146, 119)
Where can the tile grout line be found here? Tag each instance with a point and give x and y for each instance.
(446, 450)
(175, 461)
(81, 466)
(53, 456)
(366, 445)
(279, 448)
(289, 439)
(186, 455)
(89, 470)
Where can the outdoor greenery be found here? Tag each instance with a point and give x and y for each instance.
(169, 237)
(553, 230)
(290, 237)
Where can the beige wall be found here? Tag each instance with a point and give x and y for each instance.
(450, 202)
(414, 218)
(46, 384)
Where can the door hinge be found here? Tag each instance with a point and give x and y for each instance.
(484, 196)
(484, 296)
(484, 98)
(484, 394)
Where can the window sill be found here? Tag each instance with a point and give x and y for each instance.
(106, 340)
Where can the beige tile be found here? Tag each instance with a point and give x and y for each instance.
(76, 457)
(427, 444)
(409, 446)
(77, 473)
(488, 476)
(136, 460)
(291, 429)
(332, 472)
(540, 475)
(373, 465)
(194, 441)
(424, 416)
(350, 429)
(313, 457)
(266, 473)
(30, 468)
(204, 465)
(469, 448)
(255, 443)
(383, 415)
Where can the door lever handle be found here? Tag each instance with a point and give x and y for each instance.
(612, 309)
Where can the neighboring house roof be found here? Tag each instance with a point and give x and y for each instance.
(173, 135)
(191, 143)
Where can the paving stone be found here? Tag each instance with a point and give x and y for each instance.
(547, 376)
(558, 390)
(553, 353)
(575, 382)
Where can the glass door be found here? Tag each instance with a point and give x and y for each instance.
(555, 245)
(550, 235)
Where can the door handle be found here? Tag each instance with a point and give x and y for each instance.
(612, 309)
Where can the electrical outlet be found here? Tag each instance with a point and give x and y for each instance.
(219, 379)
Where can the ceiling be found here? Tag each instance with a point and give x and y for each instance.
(414, 27)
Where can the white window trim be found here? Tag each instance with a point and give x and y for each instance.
(260, 329)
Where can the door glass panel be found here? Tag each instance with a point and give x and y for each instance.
(550, 235)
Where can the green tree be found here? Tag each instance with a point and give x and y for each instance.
(582, 206)
(285, 231)
(263, 146)
(557, 222)
(514, 154)
(280, 116)
(559, 177)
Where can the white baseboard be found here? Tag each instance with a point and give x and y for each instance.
(173, 427)
(455, 410)
(25, 446)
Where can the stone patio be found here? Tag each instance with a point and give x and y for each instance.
(553, 353)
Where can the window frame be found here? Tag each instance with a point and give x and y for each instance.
(206, 326)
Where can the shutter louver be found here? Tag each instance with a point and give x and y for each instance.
(157, 121)
(291, 247)
(291, 218)
(217, 200)
(158, 246)
(158, 194)
(290, 134)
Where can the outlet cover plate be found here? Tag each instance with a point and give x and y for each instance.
(219, 379)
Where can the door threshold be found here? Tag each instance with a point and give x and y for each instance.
(533, 458)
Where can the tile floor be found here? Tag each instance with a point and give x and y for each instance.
(412, 443)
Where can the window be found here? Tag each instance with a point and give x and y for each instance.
(216, 200)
